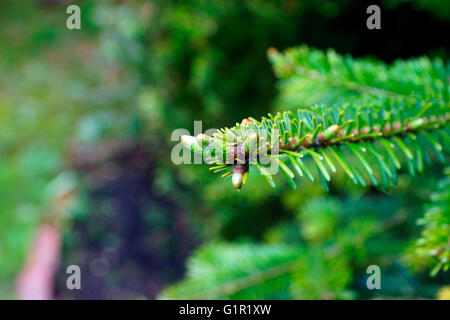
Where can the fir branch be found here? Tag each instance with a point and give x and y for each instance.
(434, 244)
(368, 133)
(213, 271)
(391, 116)
(309, 76)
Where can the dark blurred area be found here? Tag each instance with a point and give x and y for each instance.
(98, 105)
(136, 239)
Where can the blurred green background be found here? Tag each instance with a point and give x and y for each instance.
(93, 110)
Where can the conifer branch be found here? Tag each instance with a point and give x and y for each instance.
(380, 134)
(225, 270)
(393, 117)
(434, 245)
(309, 76)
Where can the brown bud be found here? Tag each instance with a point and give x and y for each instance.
(331, 132)
(376, 128)
(307, 141)
(396, 126)
(238, 173)
(364, 130)
(245, 121)
(387, 128)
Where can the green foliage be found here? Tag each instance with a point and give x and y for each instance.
(262, 272)
(48, 98)
(318, 220)
(405, 114)
(311, 258)
(438, 7)
(139, 69)
(309, 76)
(237, 272)
(193, 60)
(380, 128)
(433, 247)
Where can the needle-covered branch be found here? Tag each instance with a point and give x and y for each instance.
(380, 138)
(389, 116)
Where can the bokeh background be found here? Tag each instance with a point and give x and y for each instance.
(85, 123)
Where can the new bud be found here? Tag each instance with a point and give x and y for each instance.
(416, 124)
(203, 140)
(239, 174)
(331, 132)
(191, 143)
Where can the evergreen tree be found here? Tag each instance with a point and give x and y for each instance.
(370, 121)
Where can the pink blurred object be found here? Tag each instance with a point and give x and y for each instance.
(35, 281)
